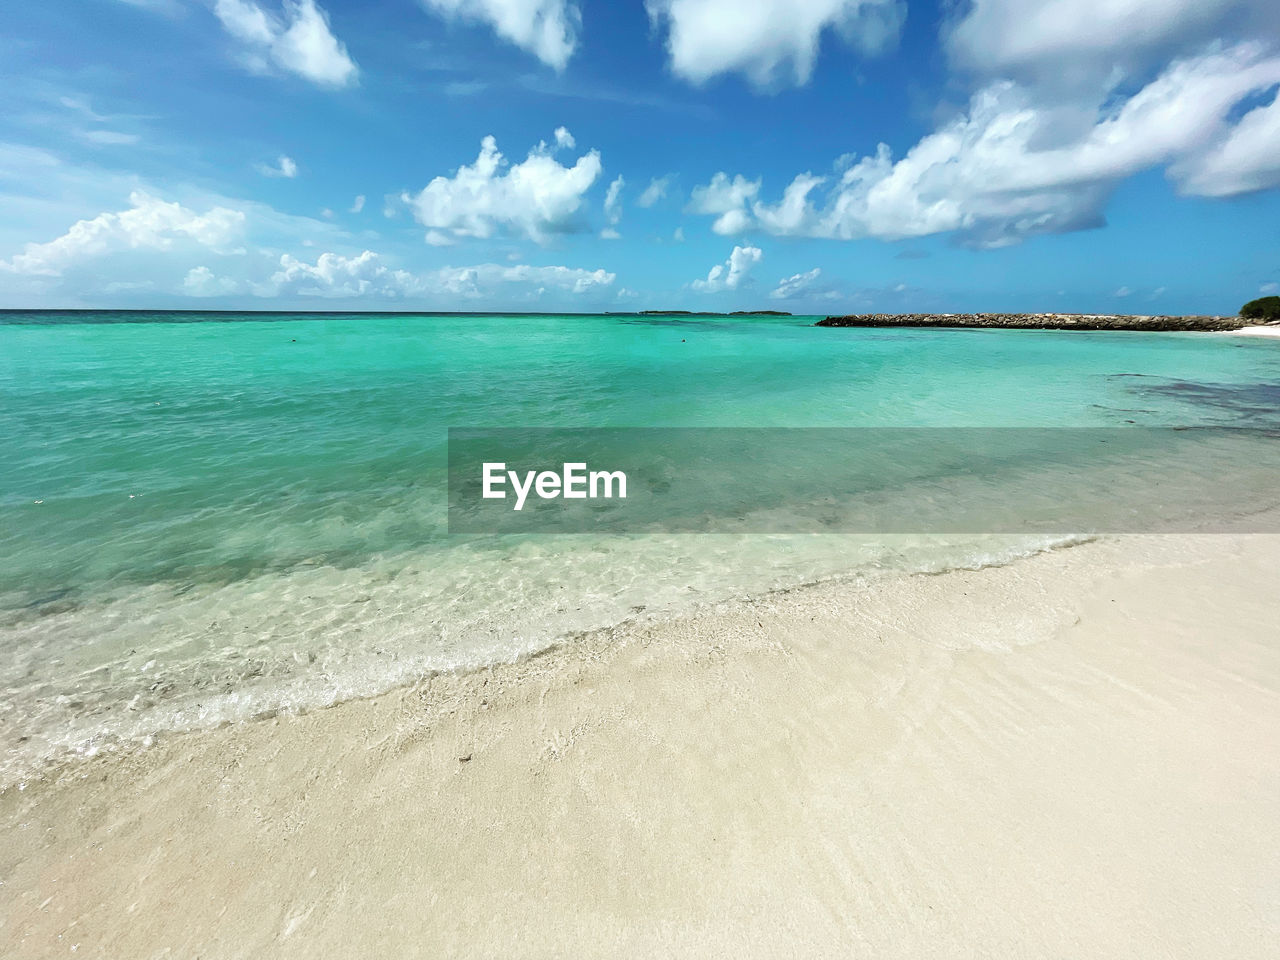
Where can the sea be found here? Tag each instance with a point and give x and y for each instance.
(207, 517)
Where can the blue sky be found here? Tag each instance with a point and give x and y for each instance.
(806, 155)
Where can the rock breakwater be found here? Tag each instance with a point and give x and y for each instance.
(1035, 321)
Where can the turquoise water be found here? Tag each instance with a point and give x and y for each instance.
(208, 516)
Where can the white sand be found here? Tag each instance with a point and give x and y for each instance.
(1271, 330)
(1072, 756)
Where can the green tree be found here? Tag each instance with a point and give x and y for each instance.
(1264, 308)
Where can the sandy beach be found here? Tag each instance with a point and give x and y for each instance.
(541, 480)
(1072, 755)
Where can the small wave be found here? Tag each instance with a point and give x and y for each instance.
(114, 674)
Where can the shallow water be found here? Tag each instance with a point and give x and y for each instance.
(208, 516)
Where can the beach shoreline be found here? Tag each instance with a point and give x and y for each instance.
(1062, 754)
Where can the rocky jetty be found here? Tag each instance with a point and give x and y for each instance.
(710, 313)
(1035, 321)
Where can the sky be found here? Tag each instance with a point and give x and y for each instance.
(813, 156)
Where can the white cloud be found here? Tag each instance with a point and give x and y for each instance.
(44, 194)
(546, 28)
(612, 201)
(1094, 40)
(481, 281)
(1269, 288)
(771, 42)
(1245, 160)
(655, 191)
(730, 274)
(284, 167)
(535, 198)
(726, 200)
(357, 205)
(798, 285)
(259, 275)
(173, 249)
(297, 40)
(246, 21)
(334, 275)
(613, 208)
(201, 282)
(793, 214)
(1123, 292)
(149, 223)
(564, 139)
(1010, 167)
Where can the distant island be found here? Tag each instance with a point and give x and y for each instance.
(707, 313)
(1036, 321)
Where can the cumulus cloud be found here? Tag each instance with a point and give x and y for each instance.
(201, 282)
(612, 200)
(283, 167)
(546, 28)
(1010, 167)
(798, 285)
(1245, 160)
(537, 197)
(655, 191)
(366, 275)
(793, 213)
(564, 139)
(1093, 40)
(482, 280)
(148, 224)
(613, 208)
(297, 40)
(171, 250)
(333, 275)
(726, 200)
(730, 274)
(771, 42)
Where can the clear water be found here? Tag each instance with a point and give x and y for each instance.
(204, 517)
